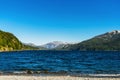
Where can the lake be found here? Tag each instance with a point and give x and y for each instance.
(70, 62)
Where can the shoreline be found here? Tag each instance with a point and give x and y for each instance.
(53, 77)
(63, 74)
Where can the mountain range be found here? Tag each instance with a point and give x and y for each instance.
(54, 44)
(107, 41)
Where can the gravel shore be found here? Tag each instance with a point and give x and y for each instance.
(24, 77)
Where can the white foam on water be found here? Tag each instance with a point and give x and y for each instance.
(109, 75)
(19, 72)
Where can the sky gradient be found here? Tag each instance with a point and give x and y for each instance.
(42, 21)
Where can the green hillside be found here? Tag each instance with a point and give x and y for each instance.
(8, 42)
(107, 41)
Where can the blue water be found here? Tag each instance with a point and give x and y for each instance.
(80, 62)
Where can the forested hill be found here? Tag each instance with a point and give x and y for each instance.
(107, 41)
(8, 42)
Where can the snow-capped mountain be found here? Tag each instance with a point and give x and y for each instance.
(110, 35)
(109, 41)
(54, 44)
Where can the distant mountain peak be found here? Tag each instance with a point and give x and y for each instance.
(107, 41)
(54, 44)
(115, 32)
(109, 35)
(57, 42)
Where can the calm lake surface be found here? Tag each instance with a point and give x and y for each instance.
(78, 62)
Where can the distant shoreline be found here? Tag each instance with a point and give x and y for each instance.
(19, 50)
(61, 50)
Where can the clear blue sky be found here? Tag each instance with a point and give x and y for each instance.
(42, 21)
